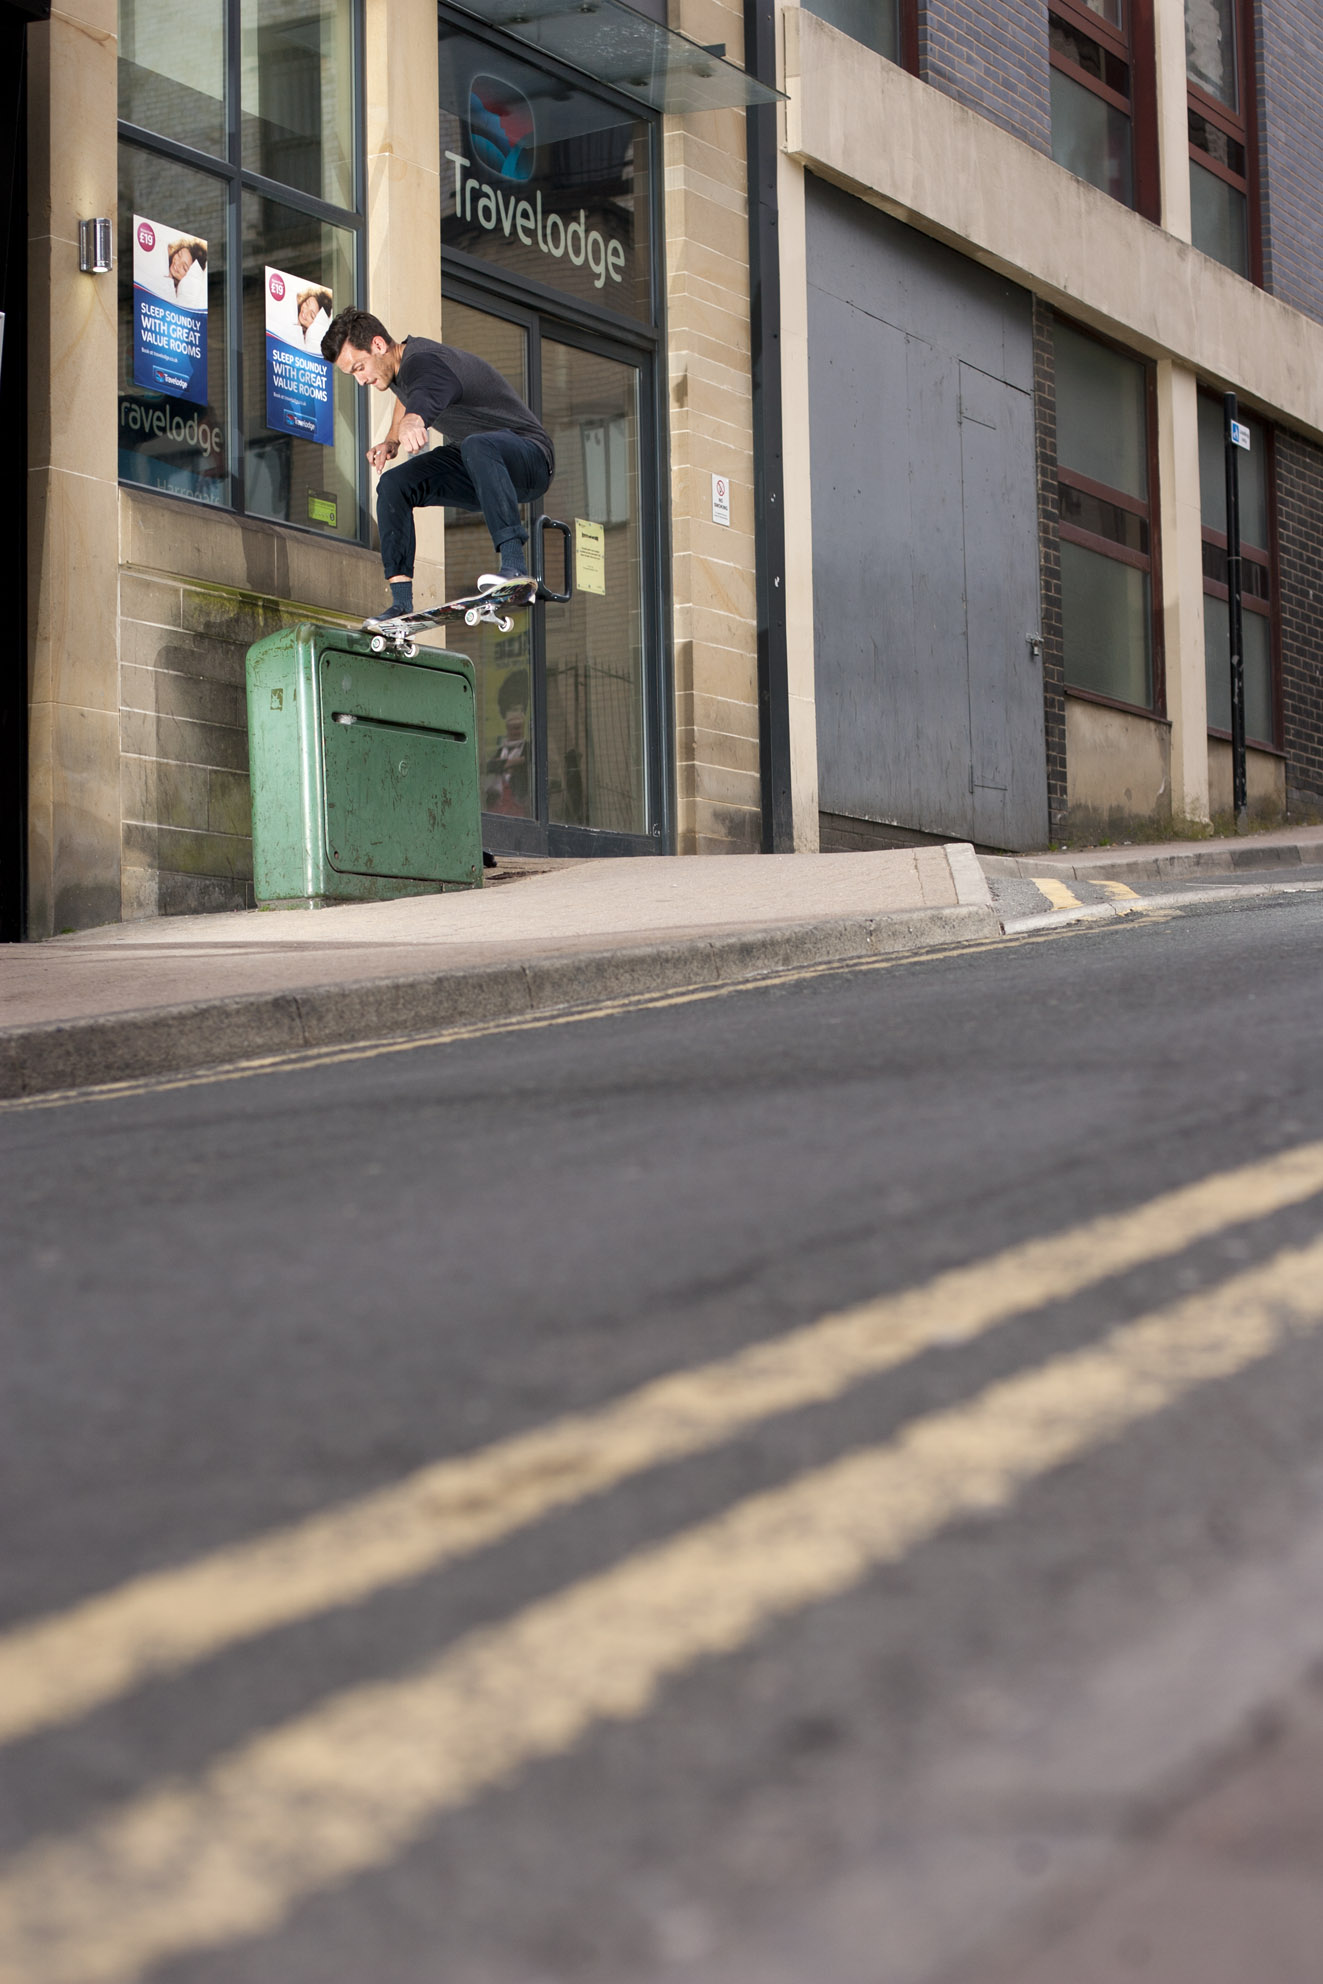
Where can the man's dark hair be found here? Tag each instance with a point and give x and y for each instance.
(355, 327)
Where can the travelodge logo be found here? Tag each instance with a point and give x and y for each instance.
(503, 140)
(501, 128)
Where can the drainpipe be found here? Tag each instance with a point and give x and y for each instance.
(768, 488)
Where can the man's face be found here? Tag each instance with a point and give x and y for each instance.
(370, 368)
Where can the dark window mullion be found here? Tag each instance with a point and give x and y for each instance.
(1208, 107)
(1106, 547)
(1254, 552)
(304, 203)
(1238, 180)
(1137, 505)
(359, 128)
(1086, 22)
(1091, 83)
(152, 141)
(234, 134)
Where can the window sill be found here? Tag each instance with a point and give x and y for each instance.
(1115, 703)
(1251, 744)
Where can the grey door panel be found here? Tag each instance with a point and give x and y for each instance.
(1001, 592)
(925, 543)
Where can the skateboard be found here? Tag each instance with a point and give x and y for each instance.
(493, 607)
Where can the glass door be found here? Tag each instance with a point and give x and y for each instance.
(594, 646)
(563, 698)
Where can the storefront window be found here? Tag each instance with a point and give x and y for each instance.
(190, 215)
(174, 435)
(1103, 491)
(172, 70)
(1220, 137)
(298, 97)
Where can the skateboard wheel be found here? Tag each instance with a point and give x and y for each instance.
(472, 617)
(378, 644)
(504, 623)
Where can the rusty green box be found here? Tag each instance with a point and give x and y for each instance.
(364, 769)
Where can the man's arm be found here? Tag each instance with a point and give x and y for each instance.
(385, 451)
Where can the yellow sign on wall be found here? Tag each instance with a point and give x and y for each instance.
(589, 556)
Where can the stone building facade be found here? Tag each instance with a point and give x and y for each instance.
(157, 557)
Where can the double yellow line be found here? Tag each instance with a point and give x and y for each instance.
(346, 1786)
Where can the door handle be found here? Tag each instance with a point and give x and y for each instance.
(540, 528)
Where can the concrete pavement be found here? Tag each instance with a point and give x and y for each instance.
(165, 995)
(1284, 847)
(148, 998)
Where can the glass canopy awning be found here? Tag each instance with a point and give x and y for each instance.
(608, 41)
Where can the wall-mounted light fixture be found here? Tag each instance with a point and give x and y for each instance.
(95, 251)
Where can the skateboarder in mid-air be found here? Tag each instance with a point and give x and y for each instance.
(497, 455)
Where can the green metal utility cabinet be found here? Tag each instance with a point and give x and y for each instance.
(364, 769)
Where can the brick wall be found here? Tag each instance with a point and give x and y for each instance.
(1300, 580)
(187, 845)
(1049, 565)
(1289, 58)
(992, 56)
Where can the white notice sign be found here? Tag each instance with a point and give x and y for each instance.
(1240, 434)
(720, 500)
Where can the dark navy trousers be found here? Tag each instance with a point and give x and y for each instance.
(493, 473)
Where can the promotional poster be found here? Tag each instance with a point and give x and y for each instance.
(169, 310)
(298, 378)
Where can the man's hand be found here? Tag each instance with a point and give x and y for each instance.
(413, 433)
(383, 452)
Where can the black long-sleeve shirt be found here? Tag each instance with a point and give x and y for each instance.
(460, 394)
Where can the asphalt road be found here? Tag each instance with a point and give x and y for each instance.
(858, 1664)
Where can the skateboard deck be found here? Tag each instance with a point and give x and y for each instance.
(493, 607)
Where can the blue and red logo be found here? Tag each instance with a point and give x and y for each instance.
(501, 128)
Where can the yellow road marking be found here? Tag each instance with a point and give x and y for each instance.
(1118, 891)
(345, 1788)
(1056, 892)
(323, 1057)
(59, 1667)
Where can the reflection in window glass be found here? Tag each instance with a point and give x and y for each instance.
(1256, 639)
(297, 58)
(547, 182)
(1091, 138)
(1210, 48)
(171, 440)
(502, 663)
(1218, 219)
(874, 22)
(1101, 413)
(1212, 476)
(590, 406)
(288, 477)
(1105, 625)
(172, 69)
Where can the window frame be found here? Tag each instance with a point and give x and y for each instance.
(1132, 44)
(907, 21)
(1263, 558)
(238, 181)
(1242, 128)
(1150, 561)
